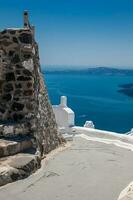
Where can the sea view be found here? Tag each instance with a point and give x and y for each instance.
(94, 97)
(66, 100)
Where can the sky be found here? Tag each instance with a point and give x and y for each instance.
(77, 32)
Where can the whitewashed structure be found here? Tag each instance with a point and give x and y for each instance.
(65, 117)
(89, 124)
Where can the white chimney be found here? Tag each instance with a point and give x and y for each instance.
(63, 101)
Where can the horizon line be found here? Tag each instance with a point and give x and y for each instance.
(87, 66)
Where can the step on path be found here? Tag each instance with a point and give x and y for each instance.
(10, 147)
(19, 166)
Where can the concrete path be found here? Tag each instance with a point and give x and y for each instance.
(88, 170)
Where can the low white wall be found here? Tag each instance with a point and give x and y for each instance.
(103, 134)
(65, 119)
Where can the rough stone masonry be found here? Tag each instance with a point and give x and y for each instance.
(26, 114)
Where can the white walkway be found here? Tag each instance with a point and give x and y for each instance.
(88, 170)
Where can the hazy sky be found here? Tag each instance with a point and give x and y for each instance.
(77, 32)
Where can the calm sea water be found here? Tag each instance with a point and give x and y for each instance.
(94, 98)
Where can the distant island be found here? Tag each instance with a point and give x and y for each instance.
(127, 89)
(89, 71)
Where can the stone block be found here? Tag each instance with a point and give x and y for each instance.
(9, 147)
(8, 130)
(17, 167)
(25, 38)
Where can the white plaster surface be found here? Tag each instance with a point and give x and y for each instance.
(88, 170)
(127, 193)
(64, 115)
(108, 141)
(102, 134)
(113, 140)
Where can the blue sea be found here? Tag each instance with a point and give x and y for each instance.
(94, 98)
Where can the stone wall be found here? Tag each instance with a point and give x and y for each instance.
(17, 77)
(24, 104)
